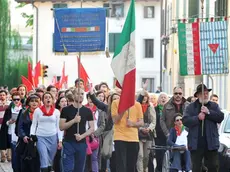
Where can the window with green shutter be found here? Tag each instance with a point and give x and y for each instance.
(106, 6)
(221, 7)
(62, 5)
(113, 41)
(193, 11)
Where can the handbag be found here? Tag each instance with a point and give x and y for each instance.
(107, 147)
(94, 144)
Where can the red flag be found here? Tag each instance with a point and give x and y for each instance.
(37, 73)
(30, 72)
(83, 74)
(66, 82)
(54, 80)
(63, 77)
(27, 83)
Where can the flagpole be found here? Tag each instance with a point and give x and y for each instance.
(79, 76)
(202, 76)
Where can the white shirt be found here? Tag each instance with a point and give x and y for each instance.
(46, 126)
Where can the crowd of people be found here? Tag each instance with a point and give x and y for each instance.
(76, 131)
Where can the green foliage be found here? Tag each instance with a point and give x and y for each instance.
(15, 68)
(15, 40)
(29, 19)
(4, 37)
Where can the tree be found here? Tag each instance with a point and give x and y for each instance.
(4, 37)
(29, 20)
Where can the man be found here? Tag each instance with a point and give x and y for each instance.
(175, 105)
(126, 138)
(53, 90)
(74, 145)
(201, 117)
(159, 90)
(3, 106)
(214, 98)
(80, 82)
(103, 86)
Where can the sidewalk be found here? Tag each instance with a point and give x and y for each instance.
(5, 167)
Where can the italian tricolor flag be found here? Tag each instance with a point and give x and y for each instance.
(189, 48)
(124, 62)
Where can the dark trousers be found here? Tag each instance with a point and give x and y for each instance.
(126, 156)
(210, 160)
(160, 153)
(57, 161)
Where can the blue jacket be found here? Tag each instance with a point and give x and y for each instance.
(191, 120)
(24, 124)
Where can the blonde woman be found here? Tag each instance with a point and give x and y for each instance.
(146, 133)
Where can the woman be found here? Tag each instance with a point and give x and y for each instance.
(146, 133)
(99, 124)
(23, 93)
(45, 126)
(24, 124)
(153, 99)
(60, 104)
(7, 133)
(160, 140)
(108, 125)
(178, 139)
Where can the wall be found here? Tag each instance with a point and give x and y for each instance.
(96, 64)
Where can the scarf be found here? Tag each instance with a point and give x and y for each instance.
(160, 107)
(179, 130)
(45, 113)
(144, 107)
(15, 109)
(31, 113)
(93, 109)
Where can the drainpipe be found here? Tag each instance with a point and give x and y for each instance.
(161, 32)
(36, 47)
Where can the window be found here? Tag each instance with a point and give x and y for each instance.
(149, 12)
(149, 48)
(59, 5)
(113, 41)
(117, 10)
(193, 11)
(151, 85)
(106, 6)
(221, 7)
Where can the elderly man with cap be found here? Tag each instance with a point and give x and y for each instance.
(202, 117)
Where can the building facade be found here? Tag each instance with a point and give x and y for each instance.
(97, 64)
(186, 9)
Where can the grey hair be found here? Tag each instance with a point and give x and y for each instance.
(161, 94)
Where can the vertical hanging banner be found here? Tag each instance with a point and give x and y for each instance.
(203, 48)
(79, 29)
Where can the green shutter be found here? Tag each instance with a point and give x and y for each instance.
(193, 8)
(59, 5)
(207, 8)
(106, 6)
(216, 8)
(111, 42)
(117, 38)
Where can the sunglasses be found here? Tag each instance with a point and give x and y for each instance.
(177, 93)
(177, 120)
(16, 99)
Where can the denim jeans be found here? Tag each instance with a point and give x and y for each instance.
(73, 154)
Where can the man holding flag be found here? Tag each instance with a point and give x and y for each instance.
(126, 112)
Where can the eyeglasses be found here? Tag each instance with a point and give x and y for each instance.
(16, 99)
(178, 120)
(177, 93)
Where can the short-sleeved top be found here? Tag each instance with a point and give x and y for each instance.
(121, 131)
(69, 113)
